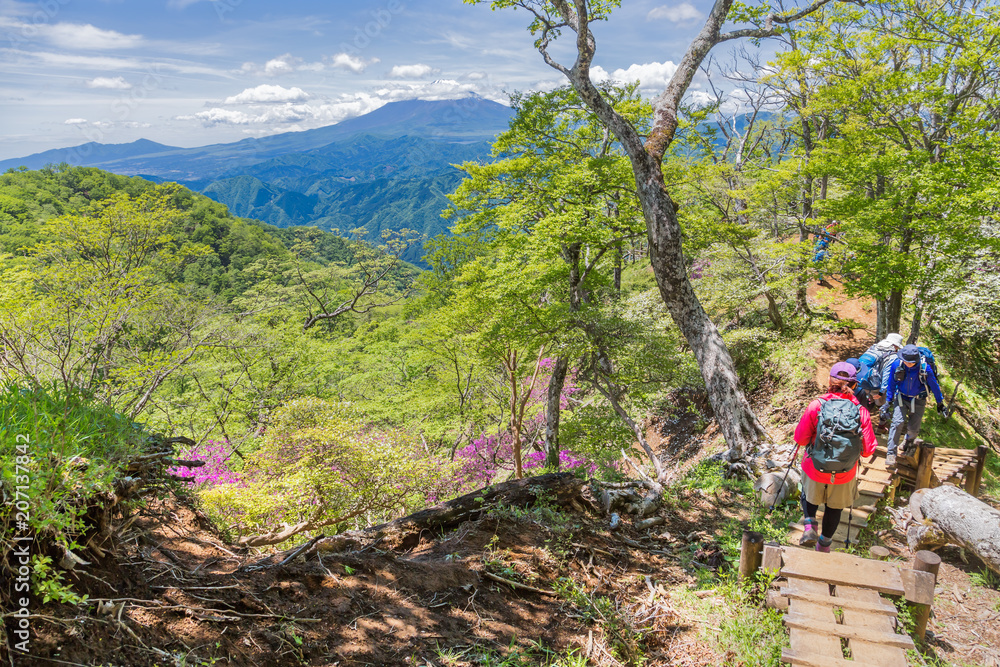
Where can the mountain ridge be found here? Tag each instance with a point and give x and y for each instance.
(389, 169)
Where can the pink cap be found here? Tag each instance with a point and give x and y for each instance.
(843, 371)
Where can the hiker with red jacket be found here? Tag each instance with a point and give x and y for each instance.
(836, 432)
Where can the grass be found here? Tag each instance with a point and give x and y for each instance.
(985, 578)
(534, 655)
(740, 630)
(58, 449)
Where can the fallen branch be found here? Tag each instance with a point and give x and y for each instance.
(560, 487)
(514, 584)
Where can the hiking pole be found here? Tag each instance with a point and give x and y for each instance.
(850, 513)
(795, 455)
(850, 516)
(951, 403)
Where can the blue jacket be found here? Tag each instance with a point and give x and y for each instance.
(911, 385)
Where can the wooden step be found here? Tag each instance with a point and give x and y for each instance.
(793, 593)
(849, 632)
(794, 658)
(841, 569)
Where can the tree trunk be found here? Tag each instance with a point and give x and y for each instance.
(802, 278)
(966, 521)
(552, 411)
(619, 253)
(918, 314)
(737, 421)
(774, 312)
(889, 310)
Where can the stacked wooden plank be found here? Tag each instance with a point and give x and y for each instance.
(836, 615)
(949, 466)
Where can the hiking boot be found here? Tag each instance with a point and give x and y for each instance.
(909, 447)
(809, 535)
(823, 548)
(890, 460)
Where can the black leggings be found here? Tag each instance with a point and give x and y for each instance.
(831, 517)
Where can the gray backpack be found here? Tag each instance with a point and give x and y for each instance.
(837, 446)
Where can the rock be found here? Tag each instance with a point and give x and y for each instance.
(773, 491)
(70, 560)
(650, 522)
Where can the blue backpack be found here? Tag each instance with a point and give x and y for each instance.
(873, 363)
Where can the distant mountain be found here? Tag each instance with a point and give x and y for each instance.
(89, 154)
(388, 169)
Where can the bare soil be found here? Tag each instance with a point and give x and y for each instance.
(178, 596)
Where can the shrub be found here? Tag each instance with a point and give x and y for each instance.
(320, 466)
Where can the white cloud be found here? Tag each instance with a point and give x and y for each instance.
(116, 83)
(150, 68)
(475, 76)
(219, 116)
(651, 76)
(415, 71)
(284, 64)
(353, 63)
(77, 36)
(675, 13)
(262, 119)
(265, 93)
(75, 121)
(280, 66)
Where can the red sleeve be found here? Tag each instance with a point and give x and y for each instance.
(805, 432)
(867, 434)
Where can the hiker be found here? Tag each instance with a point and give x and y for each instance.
(871, 372)
(912, 375)
(823, 240)
(836, 433)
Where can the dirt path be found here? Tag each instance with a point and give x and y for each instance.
(847, 342)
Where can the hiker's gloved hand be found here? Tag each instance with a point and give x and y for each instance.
(884, 412)
(941, 410)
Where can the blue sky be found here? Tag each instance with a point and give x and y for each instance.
(195, 72)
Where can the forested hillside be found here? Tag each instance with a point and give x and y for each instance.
(639, 294)
(389, 169)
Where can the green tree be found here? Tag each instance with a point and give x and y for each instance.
(737, 421)
(93, 309)
(558, 205)
(914, 156)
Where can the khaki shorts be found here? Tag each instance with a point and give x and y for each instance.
(834, 496)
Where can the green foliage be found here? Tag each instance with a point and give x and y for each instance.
(750, 349)
(914, 154)
(318, 466)
(536, 654)
(59, 452)
(985, 578)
